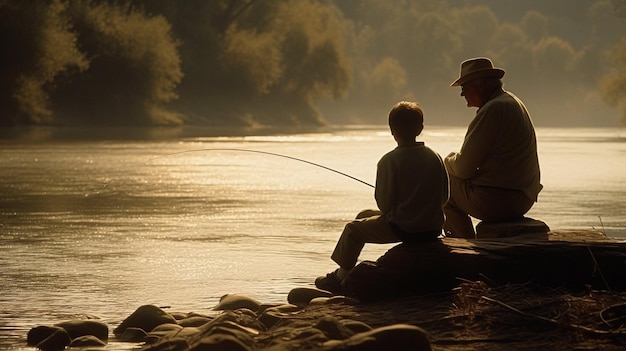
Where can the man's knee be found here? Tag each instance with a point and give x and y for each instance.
(367, 213)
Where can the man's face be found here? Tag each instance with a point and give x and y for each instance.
(472, 91)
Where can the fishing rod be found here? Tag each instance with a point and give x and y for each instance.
(258, 152)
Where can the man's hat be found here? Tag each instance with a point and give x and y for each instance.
(475, 68)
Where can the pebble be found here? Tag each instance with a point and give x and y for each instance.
(240, 326)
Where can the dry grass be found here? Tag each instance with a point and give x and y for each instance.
(479, 316)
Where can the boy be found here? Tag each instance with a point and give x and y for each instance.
(411, 190)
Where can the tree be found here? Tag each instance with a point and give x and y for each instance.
(257, 62)
(134, 68)
(38, 47)
(613, 84)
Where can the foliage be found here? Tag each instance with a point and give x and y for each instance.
(134, 68)
(614, 83)
(257, 62)
(302, 62)
(37, 47)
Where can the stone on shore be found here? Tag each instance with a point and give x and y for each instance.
(555, 259)
(235, 302)
(303, 296)
(399, 337)
(133, 334)
(146, 317)
(522, 226)
(87, 341)
(58, 340)
(63, 334)
(40, 333)
(273, 328)
(78, 327)
(193, 321)
(272, 315)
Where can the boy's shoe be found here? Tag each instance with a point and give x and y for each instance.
(330, 282)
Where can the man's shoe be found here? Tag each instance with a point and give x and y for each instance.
(330, 282)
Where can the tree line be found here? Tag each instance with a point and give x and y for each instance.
(269, 62)
(164, 62)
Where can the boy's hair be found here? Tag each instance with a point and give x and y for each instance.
(406, 119)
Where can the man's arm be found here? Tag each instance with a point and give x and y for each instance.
(478, 142)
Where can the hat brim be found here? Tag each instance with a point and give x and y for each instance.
(486, 72)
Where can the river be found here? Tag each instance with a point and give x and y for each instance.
(99, 227)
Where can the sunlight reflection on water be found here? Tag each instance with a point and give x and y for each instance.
(100, 228)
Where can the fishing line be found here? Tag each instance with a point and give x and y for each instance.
(257, 152)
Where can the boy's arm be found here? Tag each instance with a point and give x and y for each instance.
(382, 192)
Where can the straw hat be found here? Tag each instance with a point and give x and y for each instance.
(475, 68)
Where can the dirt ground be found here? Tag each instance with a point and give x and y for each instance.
(476, 316)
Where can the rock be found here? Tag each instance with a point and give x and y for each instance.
(195, 314)
(333, 328)
(247, 319)
(265, 306)
(307, 335)
(296, 338)
(220, 342)
(271, 315)
(232, 320)
(242, 334)
(334, 300)
(188, 332)
(194, 321)
(179, 315)
(153, 339)
(231, 302)
(84, 327)
(562, 259)
(222, 335)
(245, 312)
(339, 299)
(58, 340)
(133, 334)
(319, 301)
(175, 344)
(165, 330)
(166, 327)
(87, 341)
(242, 328)
(40, 333)
(397, 337)
(405, 269)
(356, 326)
(303, 296)
(508, 229)
(146, 317)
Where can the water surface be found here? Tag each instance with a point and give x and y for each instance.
(99, 228)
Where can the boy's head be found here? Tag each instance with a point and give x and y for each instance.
(406, 120)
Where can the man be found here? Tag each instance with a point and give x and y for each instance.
(411, 189)
(495, 176)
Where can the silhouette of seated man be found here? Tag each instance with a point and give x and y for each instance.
(495, 176)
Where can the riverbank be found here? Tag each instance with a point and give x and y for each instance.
(476, 314)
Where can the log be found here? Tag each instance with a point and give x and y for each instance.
(574, 260)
